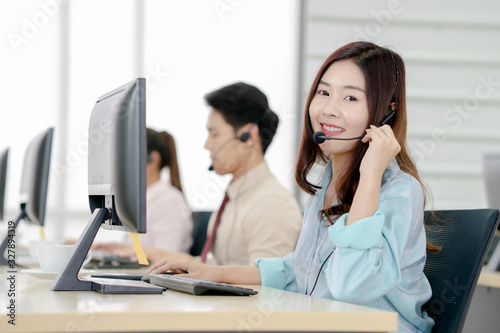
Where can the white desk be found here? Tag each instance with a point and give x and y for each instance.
(483, 311)
(40, 310)
(489, 278)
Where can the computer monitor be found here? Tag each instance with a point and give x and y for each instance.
(116, 183)
(4, 158)
(34, 185)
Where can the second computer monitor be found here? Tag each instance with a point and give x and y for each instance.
(35, 177)
(4, 158)
(34, 185)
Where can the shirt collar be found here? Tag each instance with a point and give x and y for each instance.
(248, 180)
(389, 173)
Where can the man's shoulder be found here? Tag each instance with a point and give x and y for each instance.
(271, 187)
(271, 196)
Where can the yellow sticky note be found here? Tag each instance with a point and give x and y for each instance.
(139, 252)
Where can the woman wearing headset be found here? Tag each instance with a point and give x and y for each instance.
(363, 238)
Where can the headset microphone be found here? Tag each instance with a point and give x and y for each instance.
(243, 138)
(320, 137)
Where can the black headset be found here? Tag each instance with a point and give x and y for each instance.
(390, 111)
(320, 137)
(244, 137)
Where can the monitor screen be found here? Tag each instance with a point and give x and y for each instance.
(35, 177)
(34, 185)
(116, 183)
(4, 157)
(117, 157)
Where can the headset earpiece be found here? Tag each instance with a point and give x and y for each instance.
(244, 137)
(391, 111)
(149, 159)
(393, 107)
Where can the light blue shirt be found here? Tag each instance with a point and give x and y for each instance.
(377, 261)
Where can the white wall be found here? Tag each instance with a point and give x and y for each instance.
(201, 48)
(57, 57)
(451, 51)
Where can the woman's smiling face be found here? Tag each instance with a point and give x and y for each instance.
(339, 107)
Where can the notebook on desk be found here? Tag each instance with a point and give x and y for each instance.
(118, 286)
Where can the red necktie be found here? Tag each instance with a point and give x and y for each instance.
(210, 241)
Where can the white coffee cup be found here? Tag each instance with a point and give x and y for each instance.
(34, 244)
(53, 257)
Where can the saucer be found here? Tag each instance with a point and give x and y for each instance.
(49, 276)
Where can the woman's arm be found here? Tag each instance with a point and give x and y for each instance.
(383, 147)
(369, 258)
(366, 199)
(196, 270)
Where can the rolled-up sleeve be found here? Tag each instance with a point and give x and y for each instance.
(366, 260)
(277, 273)
(362, 235)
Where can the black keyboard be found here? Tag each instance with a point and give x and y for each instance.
(195, 286)
(105, 260)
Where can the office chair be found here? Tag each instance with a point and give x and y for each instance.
(200, 224)
(464, 236)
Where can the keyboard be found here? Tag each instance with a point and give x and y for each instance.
(105, 260)
(195, 286)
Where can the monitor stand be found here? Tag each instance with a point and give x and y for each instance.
(10, 258)
(67, 279)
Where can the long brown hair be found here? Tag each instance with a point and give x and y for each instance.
(385, 83)
(164, 144)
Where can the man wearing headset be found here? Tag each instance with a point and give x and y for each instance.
(261, 219)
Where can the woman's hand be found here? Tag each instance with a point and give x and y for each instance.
(197, 270)
(383, 147)
(192, 269)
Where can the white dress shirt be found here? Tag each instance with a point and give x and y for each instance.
(260, 220)
(169, 219)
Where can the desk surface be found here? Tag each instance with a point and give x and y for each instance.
(489, 278)
(38, 309)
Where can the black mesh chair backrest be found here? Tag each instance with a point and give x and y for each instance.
(464, 236)
(200, 224)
